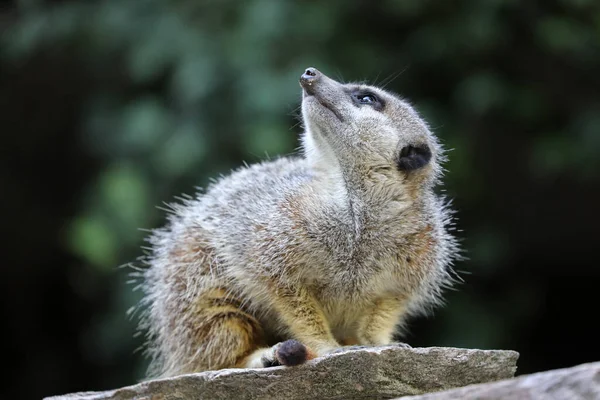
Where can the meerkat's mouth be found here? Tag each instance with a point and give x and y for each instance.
(323, 103)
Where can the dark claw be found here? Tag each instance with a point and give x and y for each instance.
(267, 363)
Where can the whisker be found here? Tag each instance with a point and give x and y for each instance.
(392, 77)
(376, 78)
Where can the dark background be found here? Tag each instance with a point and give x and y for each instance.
(109, 108)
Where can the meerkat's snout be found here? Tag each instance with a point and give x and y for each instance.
(308, 78)
(316, 83)
(322, 98)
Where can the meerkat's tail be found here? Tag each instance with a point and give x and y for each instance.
(288, 353)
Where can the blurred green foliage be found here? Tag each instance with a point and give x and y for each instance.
(179, 91)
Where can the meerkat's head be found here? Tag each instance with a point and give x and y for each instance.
(367, 132)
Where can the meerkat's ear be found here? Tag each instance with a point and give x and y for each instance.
(413, 157)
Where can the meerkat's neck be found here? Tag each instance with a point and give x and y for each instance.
(344, 188)
(330, 176)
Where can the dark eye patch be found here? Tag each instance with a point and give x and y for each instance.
(413, 157)
(366, 98)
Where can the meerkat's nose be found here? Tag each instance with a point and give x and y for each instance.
(310, 76)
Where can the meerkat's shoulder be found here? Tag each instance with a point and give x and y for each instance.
(268, 173)
(261, 182)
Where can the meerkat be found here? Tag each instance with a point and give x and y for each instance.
(291, 259)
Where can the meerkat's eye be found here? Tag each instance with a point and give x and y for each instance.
(367, 98)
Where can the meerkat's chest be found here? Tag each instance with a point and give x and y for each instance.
(391, 259)
(344, 288)
(356, 284)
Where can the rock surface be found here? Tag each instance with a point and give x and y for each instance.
(370, 373)
(577, 383)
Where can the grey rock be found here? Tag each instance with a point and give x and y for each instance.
(369, 373)
(577, 383)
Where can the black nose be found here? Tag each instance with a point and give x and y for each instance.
(309, 76)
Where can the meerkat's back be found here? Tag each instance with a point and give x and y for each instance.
(289, 259)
